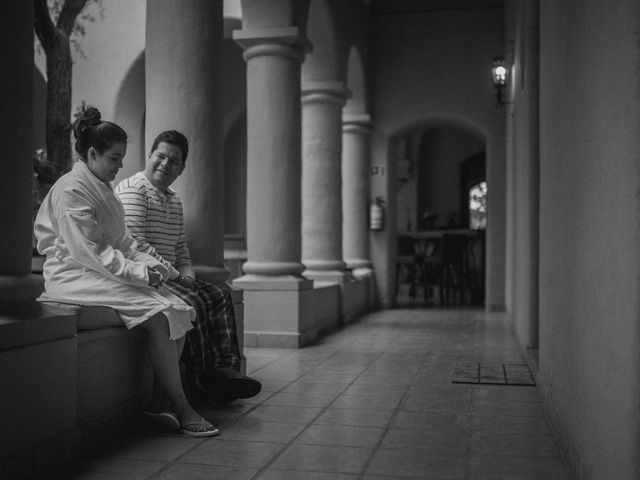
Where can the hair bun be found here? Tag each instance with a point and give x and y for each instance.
(90, 116)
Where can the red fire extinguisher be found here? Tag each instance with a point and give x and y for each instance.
(376, 214)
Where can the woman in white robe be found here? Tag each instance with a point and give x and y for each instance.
(91, 259)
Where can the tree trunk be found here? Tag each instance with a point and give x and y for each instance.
(55, 42)
(58, 124)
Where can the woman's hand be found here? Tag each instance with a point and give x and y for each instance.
(155, 277)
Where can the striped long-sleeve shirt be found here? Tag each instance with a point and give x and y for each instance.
(155, 219)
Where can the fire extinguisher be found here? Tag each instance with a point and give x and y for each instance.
(376, 214)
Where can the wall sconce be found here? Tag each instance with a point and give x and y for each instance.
(500, 76)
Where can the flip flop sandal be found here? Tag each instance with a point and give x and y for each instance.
(210, 429)
(166, 420)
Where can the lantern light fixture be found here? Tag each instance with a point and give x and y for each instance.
(500, 77)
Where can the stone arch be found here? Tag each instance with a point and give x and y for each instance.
(440, 120)
(356, 83)
(328, 59)
(129, 113)
(130, 103)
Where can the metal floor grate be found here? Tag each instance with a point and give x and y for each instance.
(493, 374)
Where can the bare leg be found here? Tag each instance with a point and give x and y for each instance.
(164, 354)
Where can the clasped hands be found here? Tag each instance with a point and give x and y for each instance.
(156, 279)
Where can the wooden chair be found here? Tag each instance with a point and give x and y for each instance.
(454, 268)
(407, 265)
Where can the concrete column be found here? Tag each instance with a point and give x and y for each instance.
(322, 104)
(356, 153)
(278, 301)
(17, 285)
(182, 61)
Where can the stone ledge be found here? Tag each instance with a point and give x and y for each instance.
(36, 324)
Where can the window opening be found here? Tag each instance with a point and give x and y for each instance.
(478, 206)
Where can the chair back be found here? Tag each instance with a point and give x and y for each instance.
(405, 246)
(454, 248)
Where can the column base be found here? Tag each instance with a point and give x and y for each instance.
(273, 283)
(361, 273)
(278, 311)
(330, 276)
(279, 318)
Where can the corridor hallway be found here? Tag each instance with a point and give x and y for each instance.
(372, 401)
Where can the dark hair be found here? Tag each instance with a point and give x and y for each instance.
(175, 138)
(89, 131)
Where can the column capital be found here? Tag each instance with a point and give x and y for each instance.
(330, 91)
(286, 36)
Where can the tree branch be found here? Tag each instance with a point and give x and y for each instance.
(42, 23)
(69, 13)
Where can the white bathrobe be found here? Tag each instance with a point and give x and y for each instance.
(91, 259)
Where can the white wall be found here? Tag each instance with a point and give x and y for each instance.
(432, 65)
(590, 232)
(523, 167)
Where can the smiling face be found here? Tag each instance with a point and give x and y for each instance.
(105, 165)
(164, 165)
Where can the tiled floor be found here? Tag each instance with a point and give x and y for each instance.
(373, 401)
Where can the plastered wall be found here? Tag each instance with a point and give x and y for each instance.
(589, 232)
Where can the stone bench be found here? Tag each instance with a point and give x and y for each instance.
(71, 376)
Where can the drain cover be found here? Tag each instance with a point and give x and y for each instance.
(493, 374)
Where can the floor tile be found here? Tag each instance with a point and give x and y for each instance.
(284, 413)
(309, 387)
(302, 399)
(433, 442)
(112, 468)
(413, 463)
(341, 435)
(509, 409)
(257, 399)
(509, 424)
(317, 458)
(205, 472)
(252, 429)
(375, 389)
(372, 401)
(366, 402)
(506, 393)
(384, 379)
(513, 444)
(233, 453)
(432, 421)
(272, 474)
(422, 403)
(502, 467)
(156, 448)
(277, 375)
(329, 377)
(273, 385)
(358, 418)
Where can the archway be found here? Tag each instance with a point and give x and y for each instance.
(129, 113)
(436, 163)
